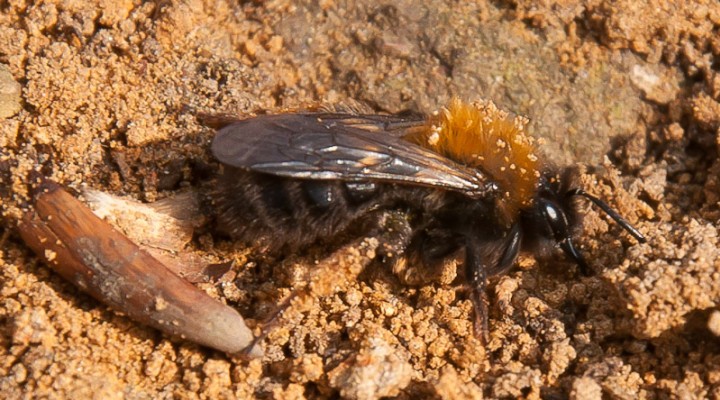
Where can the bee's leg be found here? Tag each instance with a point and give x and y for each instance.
(511, 249)
(476, 275)
(415, 254)
(432, 255)
(394, 232)
(483, 259)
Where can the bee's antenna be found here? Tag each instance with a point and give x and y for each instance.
(610, 212)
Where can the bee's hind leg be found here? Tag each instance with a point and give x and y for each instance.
(416, 255)
(394, 231)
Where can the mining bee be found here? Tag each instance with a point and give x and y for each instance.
(467, 178)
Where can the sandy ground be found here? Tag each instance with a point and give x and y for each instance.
(104, 94)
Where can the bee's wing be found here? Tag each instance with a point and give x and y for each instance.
(393, 125)
(340, 146)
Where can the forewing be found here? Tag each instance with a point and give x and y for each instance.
(338, 146)
(393, 125)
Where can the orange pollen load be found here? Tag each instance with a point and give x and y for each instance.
(482, 136)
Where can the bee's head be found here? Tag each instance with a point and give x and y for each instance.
(554, 216)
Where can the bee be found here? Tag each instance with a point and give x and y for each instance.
(468, 178)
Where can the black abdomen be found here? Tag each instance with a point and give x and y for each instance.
(275, 211)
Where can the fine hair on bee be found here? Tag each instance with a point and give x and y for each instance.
(469, 179)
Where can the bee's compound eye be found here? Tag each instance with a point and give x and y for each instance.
(555, 218)
(551, 213)
(560, 228)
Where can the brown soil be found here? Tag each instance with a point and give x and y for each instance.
(110, 94)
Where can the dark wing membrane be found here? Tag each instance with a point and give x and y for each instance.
(393, 125)
(324, 146)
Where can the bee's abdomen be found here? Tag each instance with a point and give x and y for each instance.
(275, 211)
